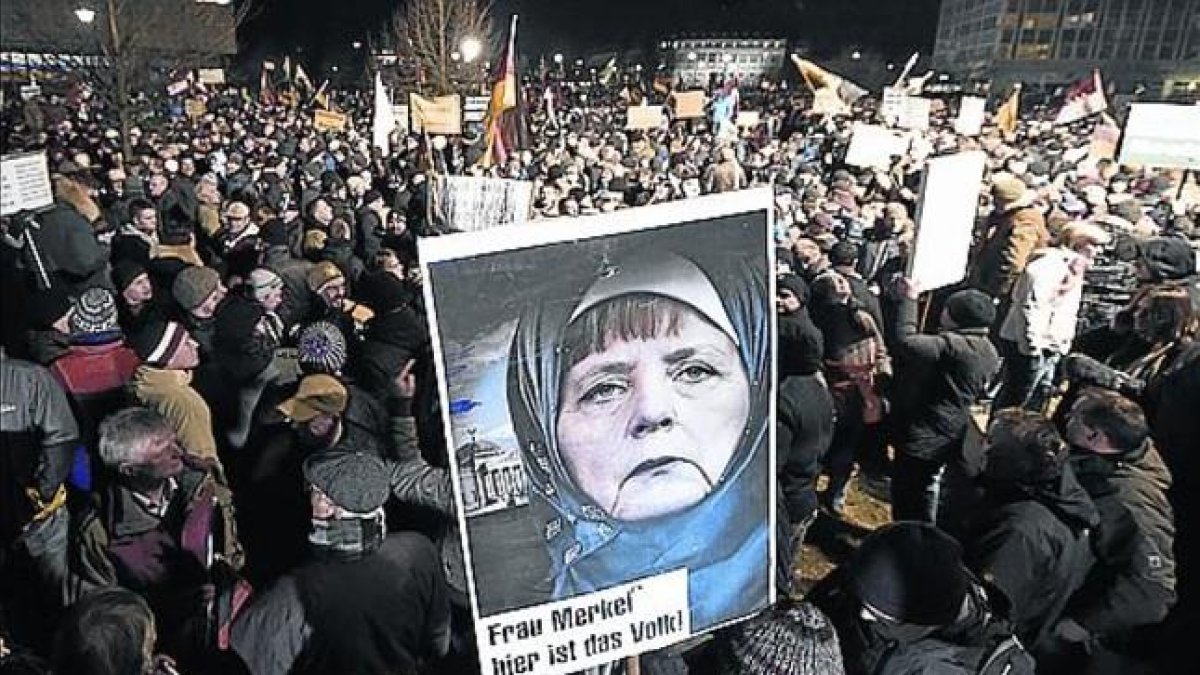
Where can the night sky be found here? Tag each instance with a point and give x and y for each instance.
(894, 27)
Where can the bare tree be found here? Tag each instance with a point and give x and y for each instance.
(431, 33)
(122, 46)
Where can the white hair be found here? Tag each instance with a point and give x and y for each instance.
(123, 433)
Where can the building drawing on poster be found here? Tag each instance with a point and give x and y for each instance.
(607, 386)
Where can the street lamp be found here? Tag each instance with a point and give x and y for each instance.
(558, 58)
(85, 15)
(334, 69)
(691, 56)
(455, 56)
(856, 55)
(356, 44)
(470, 48)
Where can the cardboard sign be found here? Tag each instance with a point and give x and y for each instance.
(1162, 135)
(475, 109)
(24, 183)
(874, 146)
(971, 112)
(566, 574)
(946, 219)
(211, 75)
(688, 105)
(748, 119)
(914, 115)
(470, 204)
(327, 120)
(893, 103)
(644, 117)
(438, 116)
(194, 108)
(177, 88)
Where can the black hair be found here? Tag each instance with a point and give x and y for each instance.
(1117, 417)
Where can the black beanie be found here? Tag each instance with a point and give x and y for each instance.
(971, 309)
(383, 292)
(124, 272)
(354, 481)
(274, 233)
(156, 341)
(910, 571)
(793, 283)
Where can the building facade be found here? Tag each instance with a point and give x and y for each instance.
(696, 61)
(1149, 43)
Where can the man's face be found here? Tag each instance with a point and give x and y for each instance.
(334, 292)
(647, 427)
(786, 302)
(272, 300)
(186, 356)
(146, 221)
(323, 212)
(158, 185)
(207, 308)
(237, 220)
(160, 457)
(139, 291)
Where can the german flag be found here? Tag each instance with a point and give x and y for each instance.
(504, 127)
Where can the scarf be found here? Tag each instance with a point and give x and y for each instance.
(348, 537)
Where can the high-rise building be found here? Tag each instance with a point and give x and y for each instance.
(696, 60)
(1151, 43)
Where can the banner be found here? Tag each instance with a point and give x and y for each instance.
(914, 114)
(1162, 135)
(211, 75)
(400, 112)
(470, 204)
(578, 555)
(644, 117)
(893, 103)
(383, 121)
(475, 109)
(688, 105)
(1086, 98)
(441, 115)
(178, 87)
(326, 120)
(971, 113)
(24, 183)
(874, 146)
(946, 219)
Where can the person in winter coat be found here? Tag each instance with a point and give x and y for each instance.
(1012, 233)
(1132, 583)
(904, 603)
(1029, 533)
(109, 632)
(163, 382)
(160, 528)
(1042, 318)
(59, 247)
(199, 291)
(805, 424)
(239, 241)
(372, 219)
(39, 436)
(136, 302)
(726, 175)
(367, 602)
(943, 376)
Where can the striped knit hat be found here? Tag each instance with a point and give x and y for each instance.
(157, 341)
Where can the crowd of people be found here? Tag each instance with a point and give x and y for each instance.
(223, 445)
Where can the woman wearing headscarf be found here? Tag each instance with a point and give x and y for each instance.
(642, 415)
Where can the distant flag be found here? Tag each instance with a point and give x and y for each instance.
(912, 61)
(663, 83)
(302, 79)
(1010, 112)
(609, 73)
(1084, 99)
(266, 93)
(916, 85)
(287, 69)
(832, 94)
(384, 121)
(321, 98)
(504, 127)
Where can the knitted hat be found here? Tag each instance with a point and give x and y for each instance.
(314, 240)
(274, 233)
(156, 341)
(910, 571)
(971, 309)
(263, 281)
(1007, 190)
(382, 291)
(321, 348)
(193, 286)
(318, 394)
(125, 272)
(790, 639)
(795, 284)
(46, 307)
(95, 312)
(354, 481)
(322, 274)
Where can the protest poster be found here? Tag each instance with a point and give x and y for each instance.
(688, 105)
(194, 108)
(211, 75)
(400, 114)
(24, 183)
(748, 119)
(893, 102)
(914, 114)
(874, 146)
(644, 117)
(327, 120)
(469, 204)
(599, 555)
(178, 87)
(440, 115)
(475, 109)
(945, 219)
(971, 111)
(1162, 135)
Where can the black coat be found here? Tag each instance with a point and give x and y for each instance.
(803, 432)
(942, 376)
(1034, 547)
(801, 346)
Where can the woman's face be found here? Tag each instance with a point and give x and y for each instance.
(647, 427)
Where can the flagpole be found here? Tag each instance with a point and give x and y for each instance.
(912, 61)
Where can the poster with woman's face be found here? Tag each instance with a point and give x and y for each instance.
(607, 384)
